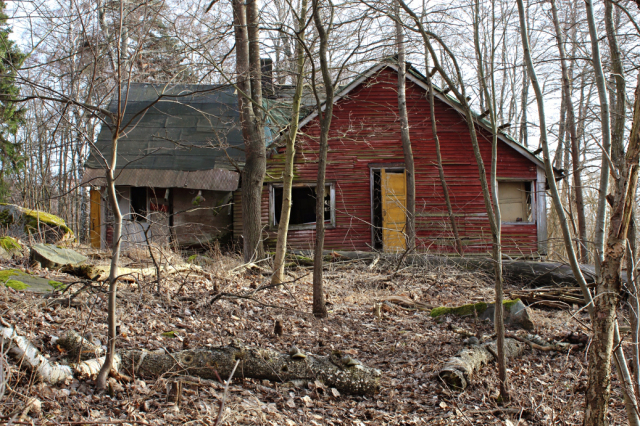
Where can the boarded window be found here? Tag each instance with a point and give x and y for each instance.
(303, 205)
(515, 201)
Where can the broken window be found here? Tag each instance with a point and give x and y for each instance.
(515, 199)
(138, 204)
(303, 205)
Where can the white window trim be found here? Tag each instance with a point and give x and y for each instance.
(534, 204)
(332, 204)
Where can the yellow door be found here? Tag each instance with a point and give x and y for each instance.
(394, 203)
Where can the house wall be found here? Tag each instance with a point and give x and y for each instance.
(211, 220)
(365, 130)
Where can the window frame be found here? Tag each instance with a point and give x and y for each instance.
(532, 191)
(332, 205)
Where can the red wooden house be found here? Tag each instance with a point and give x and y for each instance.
(365, 192)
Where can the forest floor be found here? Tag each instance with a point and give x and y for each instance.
(408, 346)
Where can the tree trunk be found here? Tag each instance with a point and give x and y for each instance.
(493, 204)
(101, 381)
(319, 307)
(410, 229)
(575, 149)
(605, 123)
(610, 285)
(443, 181)
(619, 101)
(287, 179)
(250, 102)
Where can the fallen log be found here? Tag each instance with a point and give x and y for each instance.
(337, 370)
(458, 371)
(531, 273)
(22, 349)
(77, 347)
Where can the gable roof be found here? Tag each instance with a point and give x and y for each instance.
(414, 76)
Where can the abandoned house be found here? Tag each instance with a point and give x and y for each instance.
(180, 163)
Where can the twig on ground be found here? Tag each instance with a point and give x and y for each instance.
(224, 394)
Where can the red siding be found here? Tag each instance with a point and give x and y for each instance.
(365, 129)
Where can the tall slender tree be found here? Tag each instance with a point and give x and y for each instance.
(409, 167)
(287, 178)
(11, 115)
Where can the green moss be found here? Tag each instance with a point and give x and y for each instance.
(10, 244)
(463, 310)
(16, 285)
(508, 304)
(56, 284)
(6, 274)
(35, 217)
(170, 334)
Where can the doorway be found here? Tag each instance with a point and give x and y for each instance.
(388, 208)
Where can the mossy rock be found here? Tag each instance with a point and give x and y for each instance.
(22, 281)
(22, 221)
(462, 311)
(515, 312)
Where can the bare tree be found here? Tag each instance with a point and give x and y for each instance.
(410, 228)
(287, 181)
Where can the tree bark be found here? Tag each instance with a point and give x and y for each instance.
(250, 103)
(287, 179)
(409, 167)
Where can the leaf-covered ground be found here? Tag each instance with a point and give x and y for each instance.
(408, 346)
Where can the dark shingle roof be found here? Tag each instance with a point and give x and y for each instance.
(191, 127)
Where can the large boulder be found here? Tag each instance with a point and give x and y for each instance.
(21, 222)
(53, 257)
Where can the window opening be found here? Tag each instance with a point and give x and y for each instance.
(515, 199)
(303, 205)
